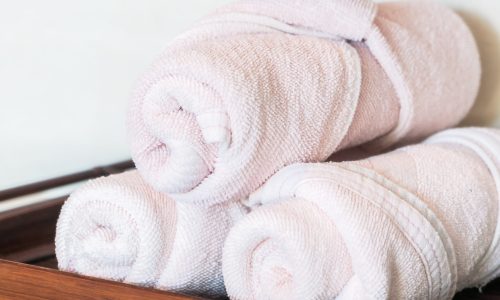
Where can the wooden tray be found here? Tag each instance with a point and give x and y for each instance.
(21, 281)
(28, 267)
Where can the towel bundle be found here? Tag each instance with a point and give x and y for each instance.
(421, 222)
(119, 228)
(260, 85)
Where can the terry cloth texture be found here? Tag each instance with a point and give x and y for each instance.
(259, 85)
(119, 228)
(420, 222)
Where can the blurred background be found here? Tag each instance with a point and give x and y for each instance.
(67, 69)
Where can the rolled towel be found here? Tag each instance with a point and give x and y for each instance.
(119, 228)
(421, 222)
(259, 85)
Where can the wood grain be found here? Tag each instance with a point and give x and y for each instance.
(19, 281)
(28, 233)
(64, 180)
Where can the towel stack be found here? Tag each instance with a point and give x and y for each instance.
(228, 130)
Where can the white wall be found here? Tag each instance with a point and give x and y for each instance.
(67, 68)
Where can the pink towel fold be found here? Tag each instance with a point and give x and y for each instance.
(421, 222)
(119, 228)
(263, 84)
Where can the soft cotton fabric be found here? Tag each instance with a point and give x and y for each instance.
(119, 228)
(259, 85)
(420, 222)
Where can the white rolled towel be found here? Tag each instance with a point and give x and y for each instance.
(119, 228)
(417, 223)
(260, 85)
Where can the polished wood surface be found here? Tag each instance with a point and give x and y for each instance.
(63, 180)
(27, 233)
(77, 287)
(19, 281)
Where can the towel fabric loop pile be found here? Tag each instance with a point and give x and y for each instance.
(401, 209)
(416, 223)
(486, 145)
(364, 55)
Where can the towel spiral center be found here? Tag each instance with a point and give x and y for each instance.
(187, 129)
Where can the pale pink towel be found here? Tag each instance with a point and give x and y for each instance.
(417, 223)
(119, 228)
(262, 84)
